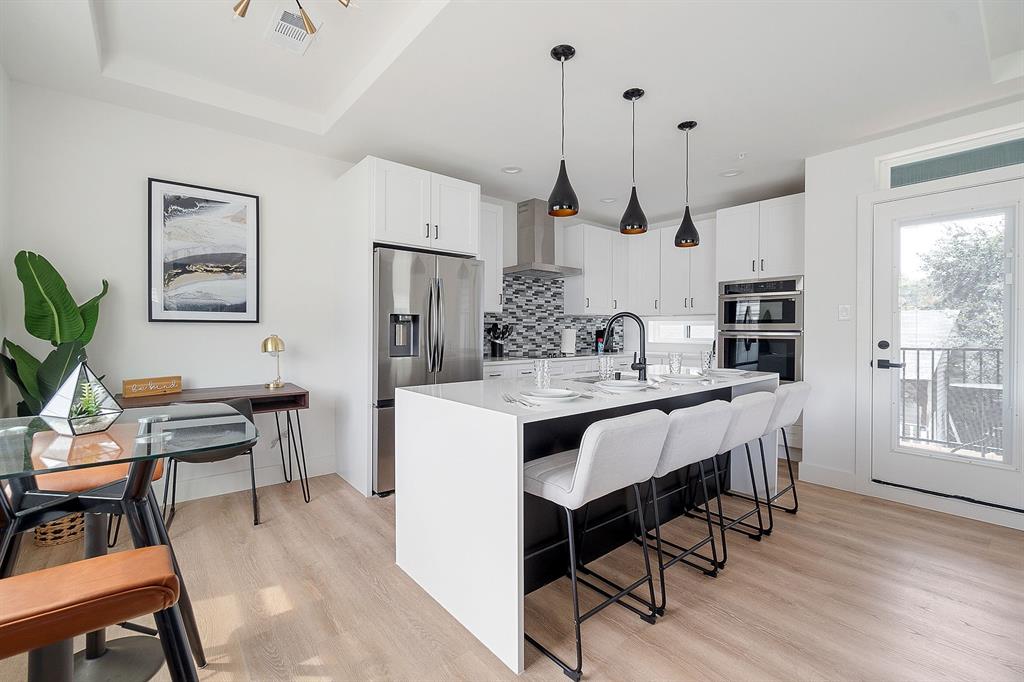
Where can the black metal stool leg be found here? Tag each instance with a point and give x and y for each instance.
(721, 516)
(255, 499)
(767, 489)
(792, 482)
(647, 554)
(757, 500)
(653, 494)
(707, 509)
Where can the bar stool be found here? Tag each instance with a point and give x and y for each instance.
(694, 435)
(52, 605)
(614, 454)
(750, 414)
(790, 400)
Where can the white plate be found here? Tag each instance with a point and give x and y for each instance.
(682, 378)
(550, 394)
(622, 385)
(721, 371)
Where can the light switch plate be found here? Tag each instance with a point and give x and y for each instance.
(844, 312)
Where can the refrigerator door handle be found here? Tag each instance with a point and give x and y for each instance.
(430, 328)
(440, 325)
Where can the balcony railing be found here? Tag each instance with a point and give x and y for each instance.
(952, 400)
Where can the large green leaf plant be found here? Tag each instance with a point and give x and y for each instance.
(51, 314)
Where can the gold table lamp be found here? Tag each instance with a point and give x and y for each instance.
(274, 345)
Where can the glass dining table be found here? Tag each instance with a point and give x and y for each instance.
(137, 441)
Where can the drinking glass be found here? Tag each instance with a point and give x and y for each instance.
(542, 373)
(605, 366)
(675, 363)
(707, 361)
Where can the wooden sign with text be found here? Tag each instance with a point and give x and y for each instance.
(134, 388)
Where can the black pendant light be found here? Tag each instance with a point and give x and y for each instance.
(687, 235)
(563, 202)
(633, 220)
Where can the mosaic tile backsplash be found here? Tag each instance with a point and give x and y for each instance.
(534, 308)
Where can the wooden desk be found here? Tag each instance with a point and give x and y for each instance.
(289, 398)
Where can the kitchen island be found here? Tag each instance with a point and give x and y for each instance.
(462, 525)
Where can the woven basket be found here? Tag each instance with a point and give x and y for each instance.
(65, 529)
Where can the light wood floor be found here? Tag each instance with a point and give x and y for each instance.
(852, 588)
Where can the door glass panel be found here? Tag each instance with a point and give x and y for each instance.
(954, 316)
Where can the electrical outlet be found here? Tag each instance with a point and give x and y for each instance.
(844, 312)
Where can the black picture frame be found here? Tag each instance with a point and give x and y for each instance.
(155, 292)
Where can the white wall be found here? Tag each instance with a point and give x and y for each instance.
(7, 390)
(833, 183)
(78, 195)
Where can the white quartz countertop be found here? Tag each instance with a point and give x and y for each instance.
(488, 395)
(553, 358)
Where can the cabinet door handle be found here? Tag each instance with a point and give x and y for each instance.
(753, 265)
(691, 301)
(685, 303)
(427, 235)
(494, 374)
(762, 265)
(655, 304)
(435, 232)
(588, 302)
(615, 304)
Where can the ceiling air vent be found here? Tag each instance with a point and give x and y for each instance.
(286, 30)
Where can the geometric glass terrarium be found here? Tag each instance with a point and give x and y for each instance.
(81, 405)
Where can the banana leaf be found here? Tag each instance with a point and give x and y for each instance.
(57, 367)
(29, 403)
(26, 365)
(90, 311)
(51, 313)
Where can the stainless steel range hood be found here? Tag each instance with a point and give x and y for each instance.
(535, 238)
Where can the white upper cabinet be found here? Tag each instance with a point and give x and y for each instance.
(703, 285)
(645, 273)
(675, 274)
(736, 255)
(589, 248)
(413, 207)
(781, 239)
(491, 233)
(455, 214)
(620, 271)
(401, 203)
(761, 240)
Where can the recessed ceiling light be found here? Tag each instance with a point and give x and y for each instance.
(731, 173)
(609, 200)
(511, 170)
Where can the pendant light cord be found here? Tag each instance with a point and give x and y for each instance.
(634, 143)
(686, 180)
(563, 109)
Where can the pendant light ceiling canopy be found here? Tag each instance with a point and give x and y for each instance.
(242, 6)
(633, 221)
(687, 235)
(562, 202)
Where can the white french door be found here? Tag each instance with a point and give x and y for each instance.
(947, 335)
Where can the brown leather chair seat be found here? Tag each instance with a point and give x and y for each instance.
(108, 446)
(47, 606)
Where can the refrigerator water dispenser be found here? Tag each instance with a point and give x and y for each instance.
(404, 336)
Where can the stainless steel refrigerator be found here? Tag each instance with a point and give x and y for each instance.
(428, 329)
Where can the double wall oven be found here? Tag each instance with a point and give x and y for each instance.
(760, 326)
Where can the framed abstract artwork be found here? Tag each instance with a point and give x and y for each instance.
(203, 254)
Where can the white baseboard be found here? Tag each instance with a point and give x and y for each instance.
(832, 478)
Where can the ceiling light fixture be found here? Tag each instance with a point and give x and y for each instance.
(731, 173)
(241, 8)
(687, 235)
(562, 202)
(307, 23)
(511, 170)
(633, 219)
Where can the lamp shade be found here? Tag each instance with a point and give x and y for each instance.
(633, 221)
(241, 8)
(563, 202)
(687, 235)
(272, 344)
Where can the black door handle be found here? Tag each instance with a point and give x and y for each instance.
(885, 364)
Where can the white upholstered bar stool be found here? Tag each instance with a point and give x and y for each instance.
(790, 400)
(614, 454)
(750, 414)
(694, 435)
